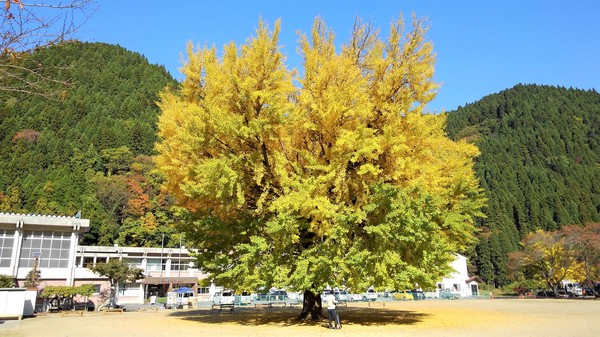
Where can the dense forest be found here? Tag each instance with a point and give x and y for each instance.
(539, 165)
(87, 144)
(89, 148)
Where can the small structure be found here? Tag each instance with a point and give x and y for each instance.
(459, 282)
(12, 302)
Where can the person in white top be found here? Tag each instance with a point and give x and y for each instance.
(332, 312)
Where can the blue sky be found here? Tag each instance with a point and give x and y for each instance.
(482, 47)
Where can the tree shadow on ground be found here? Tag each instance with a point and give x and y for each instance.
(288, 316)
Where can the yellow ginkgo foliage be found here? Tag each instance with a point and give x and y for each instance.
(333, 175)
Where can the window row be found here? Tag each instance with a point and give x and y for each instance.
(51, 249)
(6, 247)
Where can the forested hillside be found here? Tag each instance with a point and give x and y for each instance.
(87, 147)
(539, 165)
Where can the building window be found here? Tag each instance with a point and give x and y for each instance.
(177, 265)
(53, 249)
(204, 290)
(6, 246)
(88, 261)
(133, 262)
(129, 289)
(154, 265)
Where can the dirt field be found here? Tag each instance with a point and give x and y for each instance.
(464, 318)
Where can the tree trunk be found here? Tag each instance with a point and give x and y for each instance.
(311, 305)
(113, 297)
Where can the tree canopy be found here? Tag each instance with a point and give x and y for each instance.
(118, 271)
(333, 176)
(571, 253)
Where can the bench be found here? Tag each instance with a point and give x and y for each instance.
(224, 306)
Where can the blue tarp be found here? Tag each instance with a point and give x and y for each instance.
(184, 290)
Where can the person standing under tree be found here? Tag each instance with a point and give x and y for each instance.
(331, 310)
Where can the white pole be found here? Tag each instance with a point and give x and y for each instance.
(180, 236)
(162, 247)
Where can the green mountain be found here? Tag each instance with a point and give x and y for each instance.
(85, 147)
(539, 165)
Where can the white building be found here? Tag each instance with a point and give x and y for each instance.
(165, 269)
(51, 241)
(459, 280)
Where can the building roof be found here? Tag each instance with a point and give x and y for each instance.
(27, 220)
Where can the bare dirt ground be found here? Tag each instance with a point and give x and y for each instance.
(464, 318)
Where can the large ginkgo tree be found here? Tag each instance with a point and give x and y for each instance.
(332, 175)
